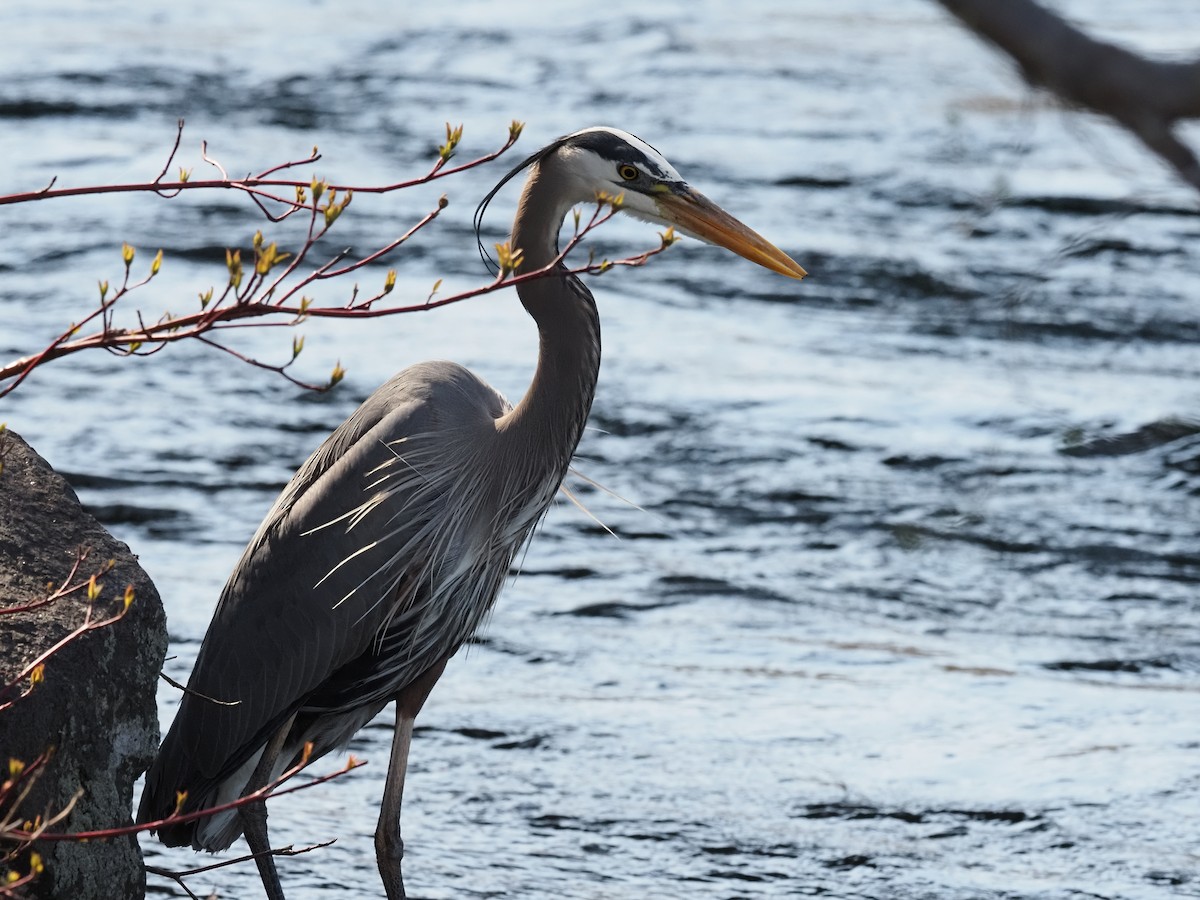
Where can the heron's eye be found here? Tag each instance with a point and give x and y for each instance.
(628, 172)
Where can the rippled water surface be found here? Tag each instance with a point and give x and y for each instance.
(908, 603)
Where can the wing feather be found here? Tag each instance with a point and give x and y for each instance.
(323, 580)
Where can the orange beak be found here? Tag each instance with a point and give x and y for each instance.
(695, 214)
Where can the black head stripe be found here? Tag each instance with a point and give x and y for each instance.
(608, 145)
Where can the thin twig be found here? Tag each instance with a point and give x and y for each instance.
(266, 792)
(178, 877)
(187, 690)
(212, 162)
(174, 150)
(438, 170)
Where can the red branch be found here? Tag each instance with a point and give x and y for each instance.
(266, 291)
(266, 792)
(257, 182)
(250, 304)
(31, 671)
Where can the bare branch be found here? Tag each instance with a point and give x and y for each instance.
(438, 170)
(289, 850)
(178, 877)
(63, 590)
(31, 674)
(174, 150)
(187, 690)
(273, 789)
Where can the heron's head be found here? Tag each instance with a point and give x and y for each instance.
(609, 161)
(615, 162)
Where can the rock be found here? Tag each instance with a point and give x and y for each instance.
(96, 705)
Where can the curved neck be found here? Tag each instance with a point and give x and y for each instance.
(555, 408)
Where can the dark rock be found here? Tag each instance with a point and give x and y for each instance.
(95, 709)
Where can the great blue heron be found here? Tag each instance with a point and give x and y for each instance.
(389, 545)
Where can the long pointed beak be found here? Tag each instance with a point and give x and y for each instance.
(695, 214)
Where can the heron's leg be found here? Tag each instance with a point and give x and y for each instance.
(254, 815)
(389, 845)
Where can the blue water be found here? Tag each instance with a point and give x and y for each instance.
(907, 606)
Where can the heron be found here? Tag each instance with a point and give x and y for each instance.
(386, 550)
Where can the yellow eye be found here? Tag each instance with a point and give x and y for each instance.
(628, 172)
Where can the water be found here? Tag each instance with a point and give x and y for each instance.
(909, 609)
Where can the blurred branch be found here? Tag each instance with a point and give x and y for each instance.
(1147, 97)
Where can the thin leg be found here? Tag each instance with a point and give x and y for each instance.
(254, 815)
(389, 845)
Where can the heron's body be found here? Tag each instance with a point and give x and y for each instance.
(362, 505)
(389, 546)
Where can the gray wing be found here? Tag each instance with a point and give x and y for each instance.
(321, 579)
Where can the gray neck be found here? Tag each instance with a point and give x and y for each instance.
(551, 416)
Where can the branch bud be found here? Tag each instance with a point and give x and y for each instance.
(453, 136)
(265, 258)
(233, 262)
(508, 258)
(604, 198)
(333, 209)
(127, 254)
(156, 264)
